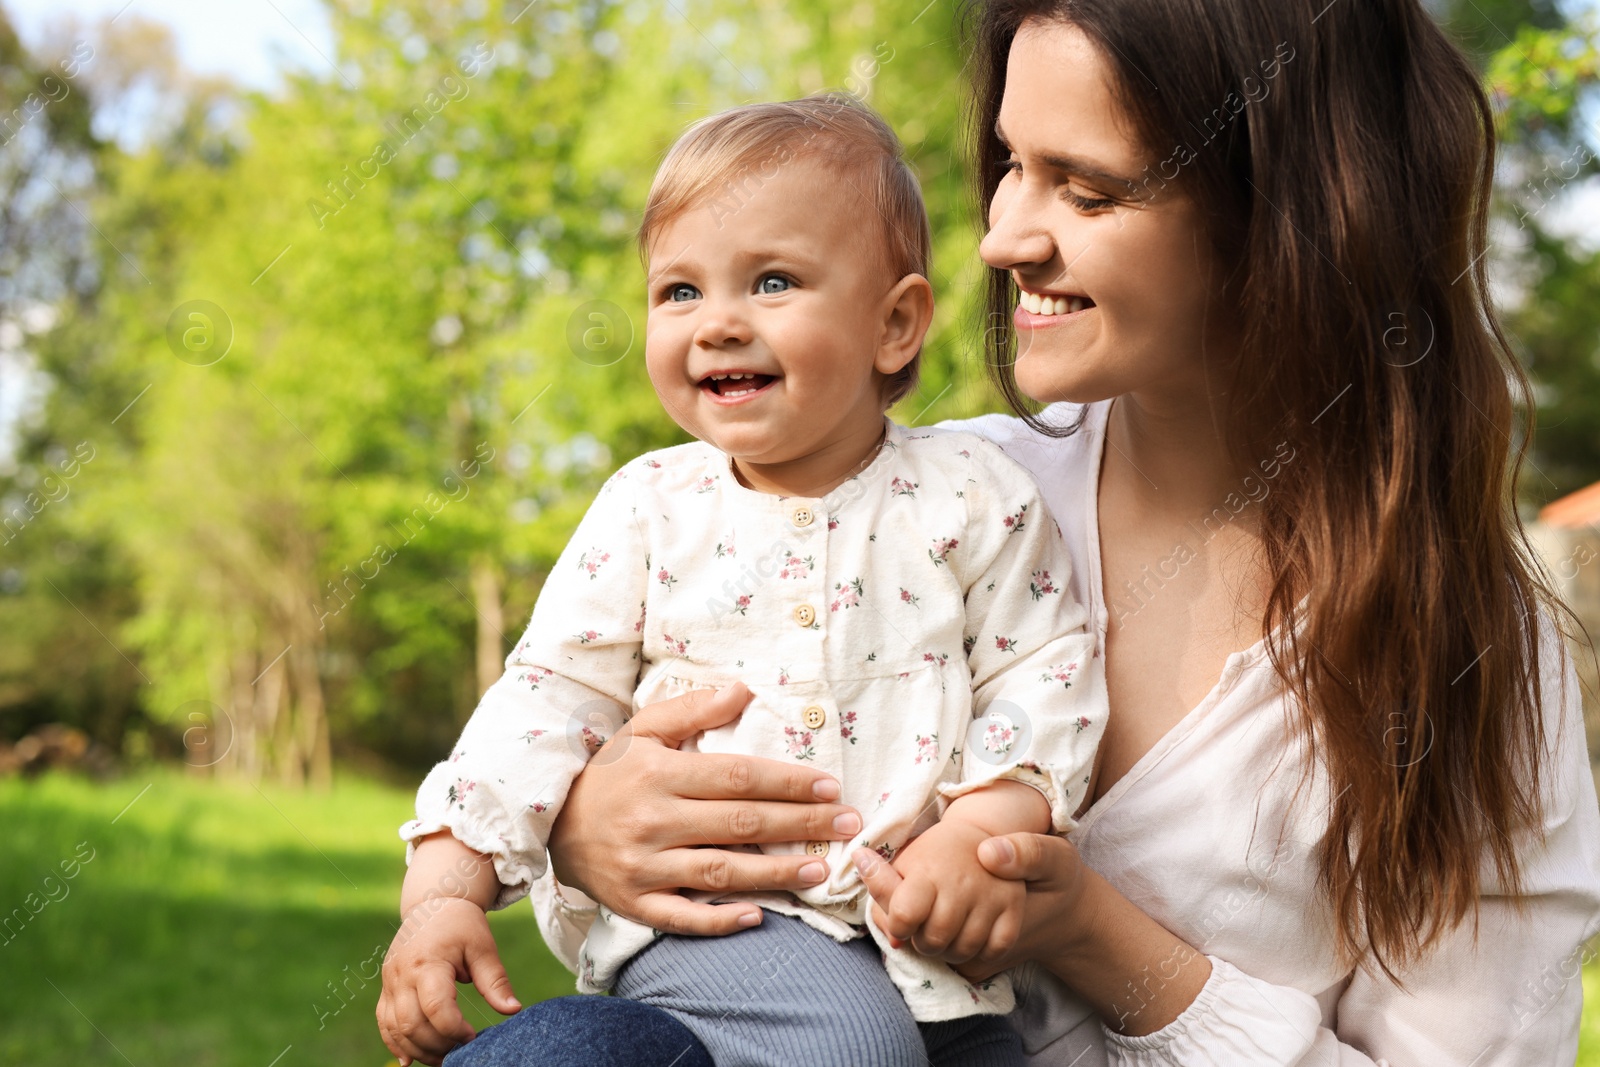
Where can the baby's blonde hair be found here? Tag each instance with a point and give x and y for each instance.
(721, 159)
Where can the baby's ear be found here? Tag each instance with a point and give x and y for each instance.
(907, 312)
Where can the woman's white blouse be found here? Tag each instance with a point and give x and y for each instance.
(908, 634)
(1205, 836)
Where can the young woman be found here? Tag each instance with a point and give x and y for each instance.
(1282, 454)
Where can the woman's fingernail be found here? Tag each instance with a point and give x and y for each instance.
(813, 872)
(750, 918)
(1000, 850)
(825, 789)
(848, 823)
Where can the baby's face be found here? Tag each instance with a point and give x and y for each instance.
(765, 316)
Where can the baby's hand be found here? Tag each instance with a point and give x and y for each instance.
(444, 940)
(945, 903)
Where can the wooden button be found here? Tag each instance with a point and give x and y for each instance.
(802, 516)
(817, 848)
(815, 716)
(805, 614)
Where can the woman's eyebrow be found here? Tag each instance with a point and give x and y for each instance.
(1070, 163)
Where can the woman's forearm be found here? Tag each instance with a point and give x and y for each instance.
(1137, 974)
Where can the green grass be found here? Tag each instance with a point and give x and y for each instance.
(209, 922)
(212, 918)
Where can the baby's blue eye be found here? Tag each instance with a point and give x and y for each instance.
(679, 293)
(773, 283)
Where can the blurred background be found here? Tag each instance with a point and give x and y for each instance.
(320, 323)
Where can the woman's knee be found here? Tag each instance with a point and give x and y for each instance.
(584, 1031)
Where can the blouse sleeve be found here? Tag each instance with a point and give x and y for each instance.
(1039, 704)
(1512, 999)
(568, 686)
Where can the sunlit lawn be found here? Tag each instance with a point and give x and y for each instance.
(211, 920)
(209, 924)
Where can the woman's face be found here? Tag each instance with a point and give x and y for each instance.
(1078, 219)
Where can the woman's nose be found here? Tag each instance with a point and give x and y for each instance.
(1017, 235)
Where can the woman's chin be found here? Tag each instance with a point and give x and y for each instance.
(1051, 379)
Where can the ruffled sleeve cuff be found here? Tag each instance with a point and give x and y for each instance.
(1236, 1019)
(516, 875)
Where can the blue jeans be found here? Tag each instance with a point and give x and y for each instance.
(584, 1031)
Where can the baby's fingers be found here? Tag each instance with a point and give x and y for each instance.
(912, 904)
(411, 1037)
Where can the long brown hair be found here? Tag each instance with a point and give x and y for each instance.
(1350, 203)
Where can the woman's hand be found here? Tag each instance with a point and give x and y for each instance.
(1076, 925)
(642, 820)
(1055, 878)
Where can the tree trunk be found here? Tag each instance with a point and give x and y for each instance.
(491, 658)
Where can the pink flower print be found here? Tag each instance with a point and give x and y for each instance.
(940, 658)
(927, 748)
(847, 723)
(533, 676)
(1059, 672)
(783, 675)
(799, 743)
(652, 464)
(1006, 644)
(538, 807)
(968, 644)
(1014, 523)
(883, 798)
(725, 546)
(457, 793)
(1041, 585)
(589, 562)
(586, 636)
(900, 487)
(964, 454)
(942, 547)
(742, 605)
(680, 648)
(886, 852)
(908, 597)
(849, 595)
(665, 577)
(1082, 723)
(591, 740)
(531, 734)
(638, 626)
(999, 738)
(833, 523)
(705, 485)
(795, 567)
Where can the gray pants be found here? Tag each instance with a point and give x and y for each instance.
(781, 994)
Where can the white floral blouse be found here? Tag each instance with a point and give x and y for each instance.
(909, 634)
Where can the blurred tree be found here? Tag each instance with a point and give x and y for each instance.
(322, 502)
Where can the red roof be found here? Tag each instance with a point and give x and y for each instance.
(1574, 510)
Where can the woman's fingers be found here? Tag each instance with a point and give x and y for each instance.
(1022, 857)
(675, 914)
(674, 721)
(722, 871)
(719, 776)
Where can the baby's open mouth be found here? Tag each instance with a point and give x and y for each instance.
(736, 383)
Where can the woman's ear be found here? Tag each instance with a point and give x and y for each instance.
(907, 314)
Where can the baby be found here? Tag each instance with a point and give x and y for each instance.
(894, 600)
